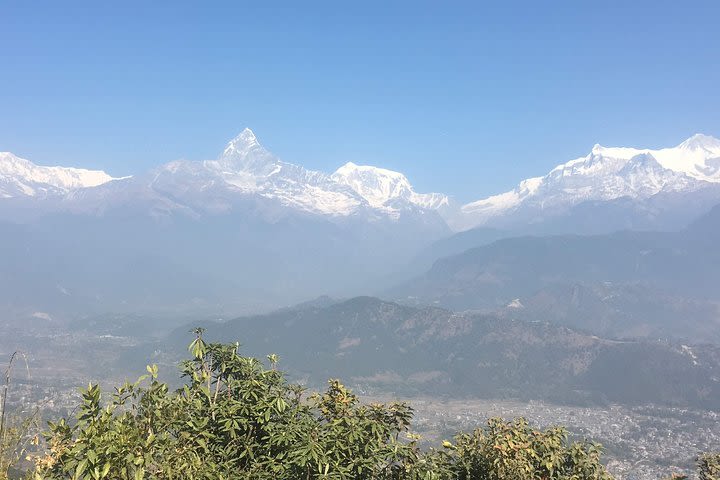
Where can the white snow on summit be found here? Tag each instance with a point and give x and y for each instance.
(607, 174)
(380, 186)
(20, 177)
(697, 157)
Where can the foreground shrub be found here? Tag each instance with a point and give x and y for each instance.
(514, 450)
(237, 419)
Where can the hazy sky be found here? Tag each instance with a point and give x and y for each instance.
(465, 98)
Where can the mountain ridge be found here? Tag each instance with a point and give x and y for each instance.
(433, 350)
(245, 167)
(19, 176)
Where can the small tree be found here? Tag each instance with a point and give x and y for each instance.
(510, 450)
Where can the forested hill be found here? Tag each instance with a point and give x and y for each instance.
(381, 345)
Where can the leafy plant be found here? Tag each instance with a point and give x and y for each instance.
(509, 450)
(235, 418)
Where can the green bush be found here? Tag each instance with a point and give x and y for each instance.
(514, 450)
(237, 419)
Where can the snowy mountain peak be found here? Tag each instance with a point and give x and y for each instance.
(369, 172)
(244, 154)
(246, 137)
(242, 143)
(21, 177)
(376, 185)
(701, 142)
(381, 187)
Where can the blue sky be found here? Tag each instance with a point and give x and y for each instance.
(466, 98)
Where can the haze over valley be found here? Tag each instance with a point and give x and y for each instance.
(372, 241)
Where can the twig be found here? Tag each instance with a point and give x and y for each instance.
(6, 387)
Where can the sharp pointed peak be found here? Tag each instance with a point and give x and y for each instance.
(247, 136)
(243, 143)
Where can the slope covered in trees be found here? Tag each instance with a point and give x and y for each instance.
(383, 346)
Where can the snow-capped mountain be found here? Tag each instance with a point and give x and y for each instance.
(245, 168)
(382, 188)
(20, 177)
(606, 174)
(246, 171)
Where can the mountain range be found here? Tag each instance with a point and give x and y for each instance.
(246, 168)
(248, 231)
